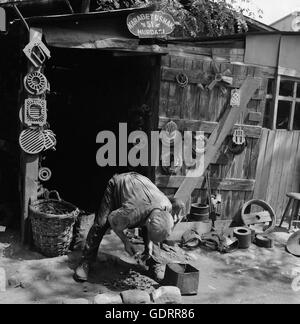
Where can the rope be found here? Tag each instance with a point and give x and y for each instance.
(182, 79)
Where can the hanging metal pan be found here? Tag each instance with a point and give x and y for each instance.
(50, 139)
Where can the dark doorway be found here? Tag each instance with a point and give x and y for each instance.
(91, 91)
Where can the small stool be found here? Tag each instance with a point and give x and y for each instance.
(294, 202)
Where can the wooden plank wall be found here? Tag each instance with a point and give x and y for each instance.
(194, 109)
(278, 168)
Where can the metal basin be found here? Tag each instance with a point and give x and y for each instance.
(183, 276)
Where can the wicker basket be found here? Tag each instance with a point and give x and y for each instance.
(52, 233)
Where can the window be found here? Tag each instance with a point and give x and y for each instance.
(297, 117)
(283, 104)
(269, 104)
(268, 114)
(283, 114)
(286, 88)
(271, 87)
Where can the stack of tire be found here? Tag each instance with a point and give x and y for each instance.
(199, 213)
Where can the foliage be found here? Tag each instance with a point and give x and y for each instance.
(197, 17)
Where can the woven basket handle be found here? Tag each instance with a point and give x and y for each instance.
(77, 212)
(48, 194)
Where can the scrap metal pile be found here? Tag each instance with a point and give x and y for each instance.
(135, 280)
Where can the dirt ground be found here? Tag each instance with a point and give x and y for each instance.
(249, 276)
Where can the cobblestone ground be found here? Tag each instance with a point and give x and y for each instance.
(253, 276)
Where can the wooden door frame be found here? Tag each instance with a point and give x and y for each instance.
(30, 163)
(153, 103)
(29, 173)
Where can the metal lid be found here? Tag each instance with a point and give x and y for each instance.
(293, 244)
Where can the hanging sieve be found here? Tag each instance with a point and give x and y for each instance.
(32, 141)
(35, 112)
(36, 83)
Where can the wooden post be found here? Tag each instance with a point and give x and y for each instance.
(217, 138)
(293, 110)
(275, 98)
(30, 170)
(85, 6)
(153, 102)
(277, 89)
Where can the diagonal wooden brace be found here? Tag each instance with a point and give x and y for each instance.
(224, 128)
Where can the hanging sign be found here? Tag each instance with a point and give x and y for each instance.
(150, 24)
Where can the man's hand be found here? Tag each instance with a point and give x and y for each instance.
(178, 209)
(145, 257)
(119, 221)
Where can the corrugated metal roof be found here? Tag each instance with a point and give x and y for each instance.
(232, 37)
(84, 16)
(17, 2)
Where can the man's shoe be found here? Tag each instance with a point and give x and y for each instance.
(157, 271)
(82, 272)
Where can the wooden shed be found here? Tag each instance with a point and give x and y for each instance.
(269, 166)
(101, 75)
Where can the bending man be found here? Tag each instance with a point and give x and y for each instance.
(131, 201)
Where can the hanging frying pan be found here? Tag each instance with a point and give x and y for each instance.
(32, 141)
(50, 139)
